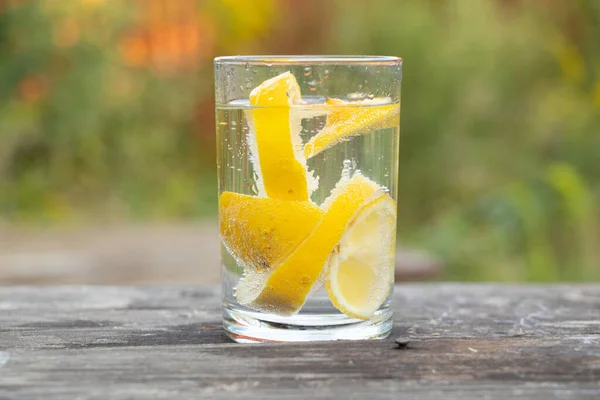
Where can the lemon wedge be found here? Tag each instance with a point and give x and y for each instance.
(275, 143)
(360, 272)
(284, 290)
(352, 119)
(259, 231)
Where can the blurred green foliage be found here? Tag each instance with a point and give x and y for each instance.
(104, 116)
(500, 131)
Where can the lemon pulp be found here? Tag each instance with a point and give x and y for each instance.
(260, 231)
(283, 291)
(360, 273)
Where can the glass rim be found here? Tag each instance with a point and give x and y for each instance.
(268, 60)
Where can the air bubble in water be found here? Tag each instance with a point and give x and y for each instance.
(254, 187)
(356, 95)
(347, 170)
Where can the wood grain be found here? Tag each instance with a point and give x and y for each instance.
(467, 342)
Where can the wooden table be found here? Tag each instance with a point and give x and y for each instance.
(467, 342)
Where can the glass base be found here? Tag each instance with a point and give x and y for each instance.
(245, 326)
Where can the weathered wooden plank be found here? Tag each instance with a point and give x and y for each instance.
(467, 342)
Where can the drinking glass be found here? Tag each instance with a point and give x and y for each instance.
(307, 163)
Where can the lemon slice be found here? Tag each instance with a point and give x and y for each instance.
(274, 140)
(361, 270)
(259, 231)
(352, 119)
(283, 291)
